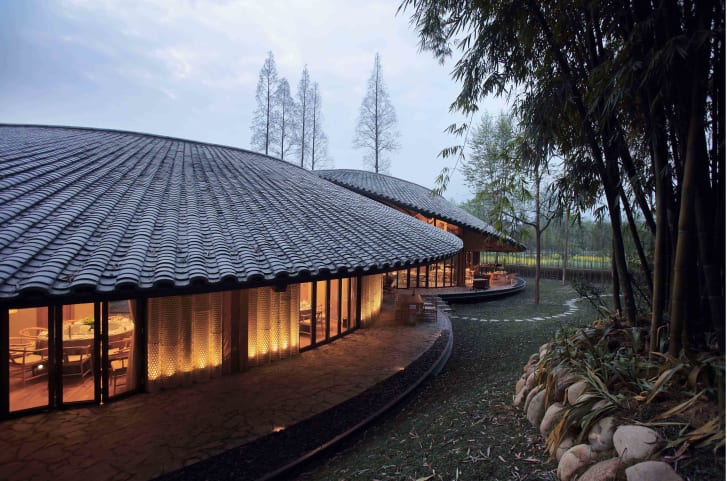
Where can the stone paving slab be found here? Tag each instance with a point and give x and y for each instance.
(147, 435)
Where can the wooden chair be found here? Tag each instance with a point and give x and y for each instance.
(30, 362)
(77, 361)
(32, 332)
(119, 352)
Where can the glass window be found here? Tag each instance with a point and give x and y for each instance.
(123, 353)
(305, 324)
(321, 303)
(353, 319)
(345, 295)
(335, 312)
(78, 333)
(28, 349)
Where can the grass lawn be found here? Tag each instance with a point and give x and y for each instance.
(461, 424)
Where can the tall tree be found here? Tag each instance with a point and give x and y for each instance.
(506, 173)
(284, 125)
(609, 84)
(318, 138)
(376, 130)
(303, 117)
(262, 121)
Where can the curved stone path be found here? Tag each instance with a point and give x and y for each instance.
(572, 308)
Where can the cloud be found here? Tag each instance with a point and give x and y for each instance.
(190, 67)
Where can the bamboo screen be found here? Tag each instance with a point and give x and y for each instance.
(272, 323)
(371, 295)
(184, 339)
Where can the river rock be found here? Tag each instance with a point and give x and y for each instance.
(520, 392)
(530, 395)
(543, 350)
(564, 446)
(518, 398)
(603, 470)
(531, 361)
(536, 408)
(652, 471)
(519, 385)
(530, 381)
(574, 461)
(563, 382)
(550, 418)
(635, 443)
(600, 436)
(575, 390)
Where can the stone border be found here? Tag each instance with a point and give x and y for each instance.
(570, 304)
(297, 444)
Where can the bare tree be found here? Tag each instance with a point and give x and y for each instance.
(262, 117)
(284, 125)
(377, 131)
(303, 117)
(318, 139)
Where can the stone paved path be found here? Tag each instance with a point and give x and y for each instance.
(570, 304)
(147, 435)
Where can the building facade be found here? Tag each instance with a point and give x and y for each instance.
(420, 202)
(133, 262)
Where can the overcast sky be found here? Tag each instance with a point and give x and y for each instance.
(189, 69)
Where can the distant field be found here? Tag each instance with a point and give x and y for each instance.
(549, 259)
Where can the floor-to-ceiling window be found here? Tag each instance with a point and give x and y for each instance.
(29, 358)
(77, 352)
(307, 314)
(321, 320)
(123, 353)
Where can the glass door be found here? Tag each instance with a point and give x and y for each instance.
(29, 358)
(123, 357)
(77, 369)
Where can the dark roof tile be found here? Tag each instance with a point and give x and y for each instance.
(413, 197)
(80, 207)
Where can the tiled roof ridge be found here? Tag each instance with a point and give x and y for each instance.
(396, 179)
(399, 201)
(461, 217)
(151, 135)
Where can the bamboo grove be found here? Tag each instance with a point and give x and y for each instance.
(631, 95)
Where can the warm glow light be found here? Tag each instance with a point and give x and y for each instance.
(277, 429)
(12, 311)
(272, 320)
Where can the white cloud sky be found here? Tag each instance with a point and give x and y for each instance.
(189, 69)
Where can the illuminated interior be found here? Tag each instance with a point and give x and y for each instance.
(438, 274)
(28, 362)
(35, 373)
(55, 351)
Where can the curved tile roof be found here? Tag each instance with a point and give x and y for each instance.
(411, 196)
(99, 210)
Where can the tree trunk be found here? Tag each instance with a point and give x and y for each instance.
(662, 249)
(565, 248)
(538, 233)
(612, 188)
(616, 288)
(645, 269)
(685, 253)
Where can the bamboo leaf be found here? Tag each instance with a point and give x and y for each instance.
(658, 386)
(680, 407)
